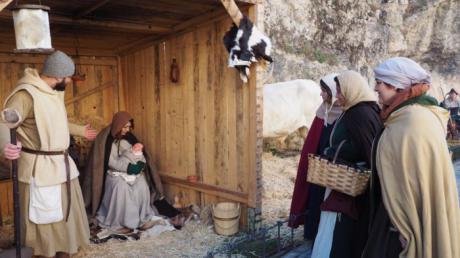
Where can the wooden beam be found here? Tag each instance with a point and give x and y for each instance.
(91, 9)
(167, 7)
(39, 59)
(199, 20)
(119, 26)
(151, 40)
(8, 49)
(249, 1)
(89, 92)
(233, 11)
(255, 142)
(4, 3)
(198, 5)
(189, 25)
(143, 42)
(206, 188)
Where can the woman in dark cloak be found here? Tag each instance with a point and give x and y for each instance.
(344, 219)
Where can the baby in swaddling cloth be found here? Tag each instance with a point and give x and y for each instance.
(137, 151)
(134, 156)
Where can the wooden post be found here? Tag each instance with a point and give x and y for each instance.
(4, 3)
(233, 11)
(1, 216)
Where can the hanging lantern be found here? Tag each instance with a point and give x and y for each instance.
(32, 28)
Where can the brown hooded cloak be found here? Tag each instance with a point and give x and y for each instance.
(94, 175)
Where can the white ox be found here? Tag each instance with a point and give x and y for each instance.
(289, 105)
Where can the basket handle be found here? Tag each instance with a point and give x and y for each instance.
(338, 150)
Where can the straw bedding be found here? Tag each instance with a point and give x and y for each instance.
(196, 239)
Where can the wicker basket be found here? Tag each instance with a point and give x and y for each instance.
(453, 141)
(338, 177)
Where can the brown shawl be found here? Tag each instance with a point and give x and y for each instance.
(93, 176)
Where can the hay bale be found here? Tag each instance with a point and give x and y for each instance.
(84, 146)
(288, 143)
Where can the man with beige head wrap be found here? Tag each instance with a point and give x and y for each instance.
(416, 210)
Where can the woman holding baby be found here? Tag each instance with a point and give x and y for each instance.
(120, 183)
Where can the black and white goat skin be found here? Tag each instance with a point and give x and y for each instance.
(246, 45)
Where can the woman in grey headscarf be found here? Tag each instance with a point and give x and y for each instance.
(415, 211)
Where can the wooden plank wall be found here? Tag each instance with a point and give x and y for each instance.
(200, 125)
(101, 82)
(92, 101)
(6, 197)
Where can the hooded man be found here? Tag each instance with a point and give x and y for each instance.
(415, 211)
(452, 102)
(53, 217)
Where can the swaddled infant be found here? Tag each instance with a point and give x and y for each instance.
(135, 156)
(137, 151)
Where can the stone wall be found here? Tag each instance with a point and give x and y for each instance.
(314, 37)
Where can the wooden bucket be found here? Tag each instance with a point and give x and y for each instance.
(226, 216)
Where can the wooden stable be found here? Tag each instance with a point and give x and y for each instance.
(209, 124)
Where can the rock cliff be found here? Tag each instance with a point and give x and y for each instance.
(314, 37)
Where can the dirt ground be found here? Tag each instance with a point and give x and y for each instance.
(195, 239)
(279, 175)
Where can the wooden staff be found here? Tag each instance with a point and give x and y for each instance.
(233, 11)
(12, 117)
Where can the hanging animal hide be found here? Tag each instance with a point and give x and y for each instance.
(245, 45)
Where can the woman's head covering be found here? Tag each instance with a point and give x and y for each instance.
(328, 82)
(329, 112)
(355, 89)
(119, 120)
(401, 72)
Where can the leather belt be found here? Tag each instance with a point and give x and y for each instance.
(67, 169)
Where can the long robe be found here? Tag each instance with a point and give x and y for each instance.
(300, 195)
(417, 184)
(44, 126)
(124, 204)
(94, 176)
(344, 215)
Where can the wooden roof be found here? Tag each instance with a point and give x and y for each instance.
(111, 26)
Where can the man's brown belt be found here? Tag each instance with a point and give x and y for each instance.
(67, 169)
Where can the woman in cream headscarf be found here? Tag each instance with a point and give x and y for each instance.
(416, 210)
(306, 195)
(344, 219)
